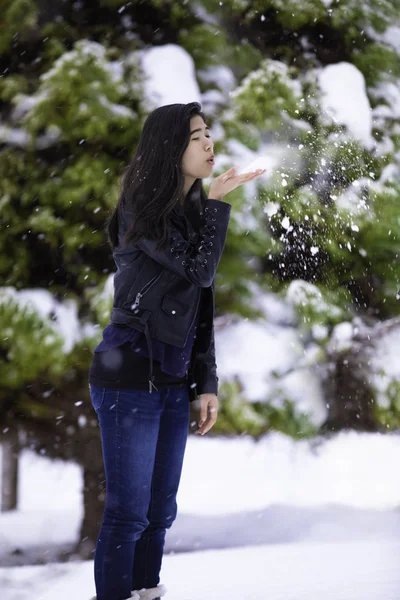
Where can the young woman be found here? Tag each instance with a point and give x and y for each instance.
(157, 354)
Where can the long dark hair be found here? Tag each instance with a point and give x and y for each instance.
(153, 182)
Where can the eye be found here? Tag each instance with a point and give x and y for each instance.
(197, 138)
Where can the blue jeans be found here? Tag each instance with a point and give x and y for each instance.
(143, 438)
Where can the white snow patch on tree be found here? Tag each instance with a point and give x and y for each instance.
(271, 208)
(302, 387)
(251, 351)
(351, 200)
(302, 293)
(24, 104)
(344, 98)
(391, 36)
(76, 57)
(275, 309)
(108, 290)
(319, 332)
(390, 174)
(220, 76)
(211, 100)
(62, 317)
(341, 337)
(170, 76)
(256, 352)
(270, 67)
(117, 109)
(14, 136)
(385, 367)
(389, 93)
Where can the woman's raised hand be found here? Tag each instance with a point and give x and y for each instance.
(229, 181)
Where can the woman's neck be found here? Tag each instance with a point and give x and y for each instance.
(189, 181)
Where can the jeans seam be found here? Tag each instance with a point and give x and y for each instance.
(150, 514)
(117, 477)
(148, 536)
(117, 443)
(102, 398)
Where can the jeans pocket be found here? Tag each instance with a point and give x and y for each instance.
(97, 396)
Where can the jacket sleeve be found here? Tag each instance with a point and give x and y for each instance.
(204, 366)
(205, 370)
(196, 262)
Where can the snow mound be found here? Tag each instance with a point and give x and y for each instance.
(170, 76)
(345, 100)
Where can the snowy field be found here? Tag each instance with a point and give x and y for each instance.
(306, 571)
(274, 519)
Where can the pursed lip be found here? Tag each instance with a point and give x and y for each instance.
(211, 159)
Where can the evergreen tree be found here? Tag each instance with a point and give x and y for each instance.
(322, 232)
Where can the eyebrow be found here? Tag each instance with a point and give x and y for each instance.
(199, 129)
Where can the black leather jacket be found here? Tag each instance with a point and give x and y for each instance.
(159, 292)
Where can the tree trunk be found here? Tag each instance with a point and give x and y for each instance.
(94, 490)
(93, 498)
(9, 472)
(348, 386)
(349, 394)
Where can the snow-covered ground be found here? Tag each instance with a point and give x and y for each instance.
(274, 519)
(335, 571)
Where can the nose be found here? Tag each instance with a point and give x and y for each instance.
(209, 145)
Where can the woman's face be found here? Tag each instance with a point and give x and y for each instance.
(198, 158)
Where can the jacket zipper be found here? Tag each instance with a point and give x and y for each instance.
(144, 290)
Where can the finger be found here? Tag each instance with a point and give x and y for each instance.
(206, 427)
(253, 174)
(203, 413)
(225, 176)
(259, 172)
(208, 424)
(248, 177)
